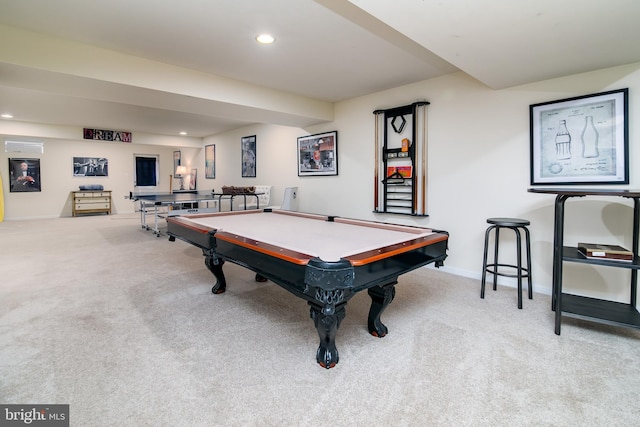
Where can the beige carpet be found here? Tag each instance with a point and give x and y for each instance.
(121, 325)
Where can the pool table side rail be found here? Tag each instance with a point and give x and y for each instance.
(259, 211)
(190, 232)
(382, 225)
(265, 248)
(396, 249)
(355, 260)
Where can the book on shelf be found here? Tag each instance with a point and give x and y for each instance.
(600, 251)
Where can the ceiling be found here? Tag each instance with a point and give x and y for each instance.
(218, 77)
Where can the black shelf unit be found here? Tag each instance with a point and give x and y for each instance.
(401, 194)
(582, 307)
(603, 311)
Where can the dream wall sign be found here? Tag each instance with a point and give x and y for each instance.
(107, 135)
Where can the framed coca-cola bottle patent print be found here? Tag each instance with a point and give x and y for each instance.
(580, 140)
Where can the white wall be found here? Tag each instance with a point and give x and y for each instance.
(61, 144)
(478, 168)
(275, 165)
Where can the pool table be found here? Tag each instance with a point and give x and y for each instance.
(324, 260)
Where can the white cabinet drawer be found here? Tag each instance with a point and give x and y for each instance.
(90, 200)
(85, 194)
(92, 206)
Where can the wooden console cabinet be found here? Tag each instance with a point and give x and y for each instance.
(91, 202)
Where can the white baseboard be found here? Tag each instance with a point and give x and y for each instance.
(510, 282)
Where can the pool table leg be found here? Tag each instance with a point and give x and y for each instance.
(381, 297)
(214, 264)
(327, 322)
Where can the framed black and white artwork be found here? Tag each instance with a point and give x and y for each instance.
(581, 140)
(248, 156)
(90, 166)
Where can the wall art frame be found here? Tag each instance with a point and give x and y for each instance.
(210, 161)
(249, 157)
(193, 179)
(25, 175)
(580, 140)
(90, 166)
(177, 161)
(318, 154)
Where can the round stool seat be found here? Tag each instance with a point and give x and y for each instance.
(509, 222)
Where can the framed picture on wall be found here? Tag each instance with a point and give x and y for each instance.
(177, 161)
(210, 161)
(25, 175)
(581, 140)
(90, 166)
(248, 156)
(318, 154)
(193, 179)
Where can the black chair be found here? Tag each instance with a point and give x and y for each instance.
(498, 269)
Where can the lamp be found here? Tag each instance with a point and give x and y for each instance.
(180, 172)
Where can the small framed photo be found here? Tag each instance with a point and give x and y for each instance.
(25, 175)
(248, 156)
(581, 140)
(318, 154)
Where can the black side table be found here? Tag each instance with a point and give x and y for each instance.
(593, 309)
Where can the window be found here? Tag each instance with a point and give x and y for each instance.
(146, 171)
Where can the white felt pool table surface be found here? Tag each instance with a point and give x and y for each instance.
(312, 234)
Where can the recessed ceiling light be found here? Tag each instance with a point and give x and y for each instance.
(265, 39)
(183, 133)
(6, 116)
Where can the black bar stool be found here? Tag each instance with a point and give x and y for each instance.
(496, 268)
